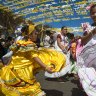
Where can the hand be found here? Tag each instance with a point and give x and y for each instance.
(49, 69)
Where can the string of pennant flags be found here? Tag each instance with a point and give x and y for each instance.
(51, 11)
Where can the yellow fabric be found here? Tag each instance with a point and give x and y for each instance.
(22, 42)
(22, 69)
(27, 90)
(31, 28)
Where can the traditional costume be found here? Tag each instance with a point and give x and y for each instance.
(86, 64)
(18, 77)
(64, 42)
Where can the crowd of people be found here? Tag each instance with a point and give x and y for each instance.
(32, 50)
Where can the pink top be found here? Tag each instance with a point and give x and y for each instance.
(79, 47)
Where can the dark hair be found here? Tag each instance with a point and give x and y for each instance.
(9, 38)
(48, 32)
(70, 35)
(25, 29)
(85, 33)
(93, 6)
(63, 27)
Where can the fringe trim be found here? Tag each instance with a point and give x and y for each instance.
(42, 94)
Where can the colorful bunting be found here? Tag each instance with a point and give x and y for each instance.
(49, 10)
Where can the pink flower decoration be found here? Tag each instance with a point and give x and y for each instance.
(88, 7)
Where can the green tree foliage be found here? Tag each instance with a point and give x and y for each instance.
(9, 20)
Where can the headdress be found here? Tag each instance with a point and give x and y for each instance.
(31, 28)
(89, 6)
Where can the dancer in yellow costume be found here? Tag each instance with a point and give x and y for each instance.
(18, 77)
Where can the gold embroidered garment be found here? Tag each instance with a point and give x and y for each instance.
(19, 76)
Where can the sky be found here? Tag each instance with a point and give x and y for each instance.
(56, 13)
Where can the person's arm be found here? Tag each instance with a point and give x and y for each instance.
(59, 42)
(38, 60)
(88, 37)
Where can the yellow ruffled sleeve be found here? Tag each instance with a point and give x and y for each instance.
(34, 55)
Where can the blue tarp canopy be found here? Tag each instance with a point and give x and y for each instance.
(56, 13)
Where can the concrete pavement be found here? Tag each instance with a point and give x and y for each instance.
(53, 87)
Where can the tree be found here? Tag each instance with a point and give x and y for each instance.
(9, 20)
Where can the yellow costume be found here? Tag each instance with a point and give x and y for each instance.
(18, 78)
(31, 28)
